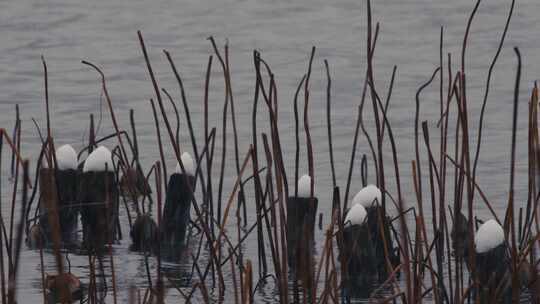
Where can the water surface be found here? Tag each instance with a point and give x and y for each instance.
(104, 32)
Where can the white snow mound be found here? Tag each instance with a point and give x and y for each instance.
(66, 158)
(98, 160)
(356, 216)
(368, 196)
(189, 165)
(304, 186)
(488, 236)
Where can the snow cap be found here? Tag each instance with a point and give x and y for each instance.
(98, 160)
(304, 186)
(489, 235)
(356, 216)
(189, 166)
(66, 158)
(367, 196)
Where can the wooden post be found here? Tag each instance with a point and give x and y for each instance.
(65, 182)
(381, 238)
(301, 215)
(491, 268)
(176, 210)
(97, 190)
(359, 255)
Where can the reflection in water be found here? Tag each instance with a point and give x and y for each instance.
(177, 275)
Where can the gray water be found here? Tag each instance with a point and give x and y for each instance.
(104, 32)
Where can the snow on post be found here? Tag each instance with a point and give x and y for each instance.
(488, 236)
(492, 261)
(374, 234)
(368, 196)
(176, 212)
(301, 214)
(98, 185)
(356, 216)
(99, 160)
(189, 165)
(358, 248)
(304, 186)
(66, 158)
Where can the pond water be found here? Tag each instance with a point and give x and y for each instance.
(104, 32)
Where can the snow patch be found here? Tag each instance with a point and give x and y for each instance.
(304, 186)
(356, 215)
(488, 236)
(98, 160)
(188, 163)
(368, 196)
